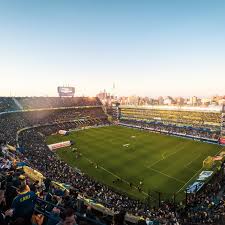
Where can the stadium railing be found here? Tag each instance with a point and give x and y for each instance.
(41, 206)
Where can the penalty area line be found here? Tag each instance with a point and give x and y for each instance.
(165, 157)
(113, 174)
(192, 160)
(157, 171)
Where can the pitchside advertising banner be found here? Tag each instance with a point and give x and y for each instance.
(33, 174)
(60, 145)
(63, 132)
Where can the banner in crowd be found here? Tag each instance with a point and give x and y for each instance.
(93, 203)
(11, 148)
(60, 145)
(63, 132)
(195, 187)
(204, 175)
(60, 186)
(33, 174)
(20, 164)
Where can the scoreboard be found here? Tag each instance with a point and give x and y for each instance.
(66, 91)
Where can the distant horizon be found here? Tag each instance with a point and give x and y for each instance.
(83, 95)
(148, 48)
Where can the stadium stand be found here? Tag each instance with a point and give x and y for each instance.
(12, 122)
(195, 118)
(55, 102)
(187, 131)
(199, 123)
(7, 104)
(26, 201)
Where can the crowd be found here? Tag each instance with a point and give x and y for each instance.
(20, 103)
(175, 129)
(205, 208)
(27, 202)
(53, 167)
(23, 201)
(56, 102)
(202, 119)
(7, 104)
(12, 122)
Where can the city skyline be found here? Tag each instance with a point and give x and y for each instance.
(147, 48)
(109, 99)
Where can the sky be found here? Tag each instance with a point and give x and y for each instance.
(147, 48)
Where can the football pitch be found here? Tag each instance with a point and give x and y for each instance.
(118, 156)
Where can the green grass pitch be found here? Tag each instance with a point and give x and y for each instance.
(163, 163)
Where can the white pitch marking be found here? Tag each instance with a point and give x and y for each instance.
(196, 173)
(157, 171)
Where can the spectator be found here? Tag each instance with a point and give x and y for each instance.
(119, 219)
(23, 204)
(68, 218)
(37, 218)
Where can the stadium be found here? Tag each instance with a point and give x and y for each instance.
(148, 163)
(112, 112)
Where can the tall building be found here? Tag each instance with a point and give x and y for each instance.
(180, 101)
(193, 101)
(168, 100)
(160, 100)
